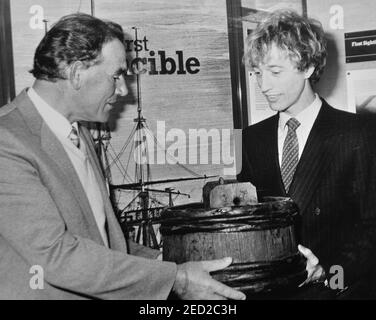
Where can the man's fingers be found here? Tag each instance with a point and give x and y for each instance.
(318, 274)
(304, 282)
(201, 284)
(304, 251)
(307, 253)
(217, 287)
(214, 265)
(315, 272)
(226, 291)
(215, 296)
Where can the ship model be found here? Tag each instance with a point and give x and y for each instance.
(141, 216)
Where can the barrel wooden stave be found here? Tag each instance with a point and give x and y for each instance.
(243, 247)
(260, 239)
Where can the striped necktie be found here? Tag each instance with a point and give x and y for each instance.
(73, 136)
(290, 153)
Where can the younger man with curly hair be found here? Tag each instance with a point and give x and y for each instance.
(321, 157)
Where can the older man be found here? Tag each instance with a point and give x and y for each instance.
(55, 215)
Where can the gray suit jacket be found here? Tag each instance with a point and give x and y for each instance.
(46, 220)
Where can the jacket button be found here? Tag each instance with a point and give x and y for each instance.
(317, 211)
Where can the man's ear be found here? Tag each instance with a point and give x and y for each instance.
(75, 74)
(308, 73)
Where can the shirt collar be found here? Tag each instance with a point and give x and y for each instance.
(306, 117)
(55, 120)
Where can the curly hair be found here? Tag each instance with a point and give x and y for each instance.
(75, 37)
(301, 38)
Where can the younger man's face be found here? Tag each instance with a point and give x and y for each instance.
(284, 86)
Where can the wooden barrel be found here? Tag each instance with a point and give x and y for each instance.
(260, 238)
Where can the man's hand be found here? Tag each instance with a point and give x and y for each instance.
(316, 272)
(193, 281)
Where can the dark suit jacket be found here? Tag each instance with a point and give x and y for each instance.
(46, 220)
(334, 186)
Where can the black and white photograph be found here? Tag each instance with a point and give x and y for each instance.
(210, 154)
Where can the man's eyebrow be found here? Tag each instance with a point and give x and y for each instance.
(274, 66)
(121, 70)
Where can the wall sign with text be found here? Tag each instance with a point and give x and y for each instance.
(156, 62)
(360, 46)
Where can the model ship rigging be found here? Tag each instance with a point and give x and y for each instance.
(143, 211)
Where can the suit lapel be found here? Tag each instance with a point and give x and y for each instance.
(116, 237)
(264, 153)
(274, 156)
(55, 150)
(63, 166)
(316, 155)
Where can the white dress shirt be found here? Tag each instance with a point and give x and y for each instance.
(306, 118)
(61, 127)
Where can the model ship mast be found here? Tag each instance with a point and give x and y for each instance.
(92, 7)
(142, 170)
(142, 177)
(146, 215)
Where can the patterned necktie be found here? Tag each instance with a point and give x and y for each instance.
(73, 136)
(290, 154)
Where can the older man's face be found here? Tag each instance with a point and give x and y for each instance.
(102, 84)
(284, 86)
